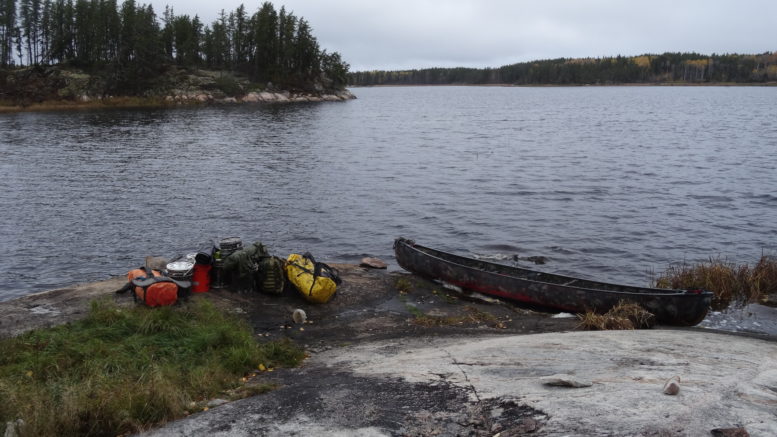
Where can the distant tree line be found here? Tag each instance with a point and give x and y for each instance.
(130, 44)
(667, 67)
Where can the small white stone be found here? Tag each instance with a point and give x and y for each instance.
(299, 316)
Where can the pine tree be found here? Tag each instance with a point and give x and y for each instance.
(69, 30)
(187, 34)
(111, 29)
(58, 31)
(30, 15)
(265, 28)
(7, 31)
(287, 26)
(85, 37)
(168, 38)
(266, 41)
(335, 69)
(128, 32)
(240, 39)
(216, 45)
(148, 44)
(306, 52)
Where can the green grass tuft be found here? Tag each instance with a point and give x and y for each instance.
(123, 370)
(403, 285)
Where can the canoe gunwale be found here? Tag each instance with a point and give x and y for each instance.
(660, 291)
(679, 307)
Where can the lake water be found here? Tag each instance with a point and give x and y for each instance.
(610, 183)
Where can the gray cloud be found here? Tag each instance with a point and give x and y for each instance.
(489, 33)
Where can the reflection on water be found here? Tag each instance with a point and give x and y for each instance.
(608, 183)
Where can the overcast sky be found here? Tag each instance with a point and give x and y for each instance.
(405, 34)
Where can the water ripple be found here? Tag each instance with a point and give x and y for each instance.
(609, 188)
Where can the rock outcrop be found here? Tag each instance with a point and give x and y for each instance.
(56, 86)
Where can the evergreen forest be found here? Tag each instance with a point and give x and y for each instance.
(664, 68)
(128, 45)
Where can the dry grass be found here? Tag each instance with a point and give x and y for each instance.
(764, 279)
(623, 316)
(731, 283)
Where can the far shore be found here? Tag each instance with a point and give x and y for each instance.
(573, 85)
(68, 105)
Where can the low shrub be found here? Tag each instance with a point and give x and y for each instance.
(229, 85)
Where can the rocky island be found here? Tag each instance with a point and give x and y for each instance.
(56, 88)
(124, 55)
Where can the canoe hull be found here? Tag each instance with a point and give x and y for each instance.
(676, 307)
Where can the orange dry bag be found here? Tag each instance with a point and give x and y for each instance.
(153, 288)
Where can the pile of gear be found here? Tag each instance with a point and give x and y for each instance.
(229, 265)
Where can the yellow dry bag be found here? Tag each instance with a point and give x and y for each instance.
(316, 281)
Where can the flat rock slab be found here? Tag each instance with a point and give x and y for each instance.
(55, 307)
(476, 385)
(727, 380)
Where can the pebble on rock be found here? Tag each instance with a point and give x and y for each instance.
(672, 387)
(560, 380)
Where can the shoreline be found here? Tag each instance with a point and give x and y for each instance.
(361, 289)
(192, 99)
(572, 85)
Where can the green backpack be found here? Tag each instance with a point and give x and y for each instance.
(254, 269)
(270, 277)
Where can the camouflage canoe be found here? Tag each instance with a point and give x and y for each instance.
(563, 293)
